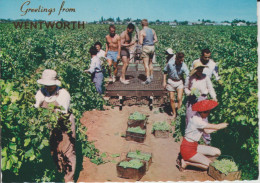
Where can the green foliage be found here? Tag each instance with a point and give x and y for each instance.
(225, 166)
(164, 126)
(134, 163)
(136, 130)
(137, 116)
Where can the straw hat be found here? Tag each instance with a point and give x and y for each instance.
(204, 105)
(195, 67)
(169, 51)
(49, 78)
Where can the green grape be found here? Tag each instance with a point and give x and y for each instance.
(137, 116)
(161, 126)
(134, 163)
(139, 155)
(136, 130)
(225, 166)
(195, 91)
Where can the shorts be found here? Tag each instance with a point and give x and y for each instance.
(125, 52)
(147, 51)
(188, 149)
(112, 55)
(174, 85)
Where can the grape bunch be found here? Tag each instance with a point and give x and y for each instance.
(161, 126)
(195, 92)
(225, 166)
(137, 116)
(139, 155)
(134, 163)
(136, 130)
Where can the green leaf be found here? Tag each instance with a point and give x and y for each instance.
(29, 153)
(14, 158)
(9, 165)
(3, 163)
(45, 142)
(13, 146)
(4, 152)
(32, 157)
(26, 142)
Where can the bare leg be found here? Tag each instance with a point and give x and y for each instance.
(184, 164)
(208, 150)
(179, 97)
(125, 61)
(172, 100)
(151, 67)
(115, 68)
(109, 61)
(146, 66)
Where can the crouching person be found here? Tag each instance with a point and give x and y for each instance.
(62, 140)
(192, 153)
(96, 69)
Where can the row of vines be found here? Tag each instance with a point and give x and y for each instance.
(26, 53)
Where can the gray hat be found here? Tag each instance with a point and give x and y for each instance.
(49, 78)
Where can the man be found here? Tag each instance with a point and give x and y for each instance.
(212, 68)
(126, 42)
(101, 53)
(113, 49)
(147, 38)
(175, 69)
(62, 140)
(96, 69)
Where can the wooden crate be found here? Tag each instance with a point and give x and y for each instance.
(217, 175)
(137, 137)
(131, 173)
(136, 123)
(161, 134)
(148, 163)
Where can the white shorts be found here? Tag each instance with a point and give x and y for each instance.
(174, 85)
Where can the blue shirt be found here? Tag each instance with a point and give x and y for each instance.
(175, 71)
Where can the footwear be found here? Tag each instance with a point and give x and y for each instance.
(146, 82)
(179, 164)
(151, 77)
(113, 79)
(110, 79)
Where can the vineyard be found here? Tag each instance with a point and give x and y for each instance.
(25, 54)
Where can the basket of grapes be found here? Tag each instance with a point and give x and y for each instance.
(136, 134)
(161, 129)
(147, 157)
(131, 169)
(137, 119)
(224, 169)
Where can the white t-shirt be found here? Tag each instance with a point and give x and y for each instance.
(211, 69)
(62, 97)
(101, 54)
(204, 86)
(195, 128)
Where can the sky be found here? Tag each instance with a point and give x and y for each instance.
(164, 10)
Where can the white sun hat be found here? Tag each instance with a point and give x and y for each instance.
(169, 51)
(49, 78)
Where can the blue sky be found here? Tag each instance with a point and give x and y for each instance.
(166, 10)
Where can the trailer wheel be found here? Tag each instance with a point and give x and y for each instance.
(151, 107)
(120, 108)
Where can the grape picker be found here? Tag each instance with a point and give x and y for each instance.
(62, 143)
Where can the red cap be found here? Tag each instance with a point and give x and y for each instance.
(204, 105)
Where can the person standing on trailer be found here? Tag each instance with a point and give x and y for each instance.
(96, 69)
(175, 69)
(191, 153)
(126, 42)
(62, 140)
(147, 39)
(113, 49)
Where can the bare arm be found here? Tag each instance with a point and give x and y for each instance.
(106, 47)
(119, 44)
(141, 37)
(164, 80)
(155, 37)
(209, 128)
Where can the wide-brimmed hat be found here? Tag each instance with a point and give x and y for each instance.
(169, 51)
(196, 66)
(204, 105)
(49, 78)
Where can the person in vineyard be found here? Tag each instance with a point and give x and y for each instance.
(126, 42)
(101, 53)
(113, 49)
(147, 39)
(62, 140)
(175, 69)
(197, 87)
(191, 153)
(212, 68)
(96, 69)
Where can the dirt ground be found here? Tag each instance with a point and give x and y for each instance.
(106, 128)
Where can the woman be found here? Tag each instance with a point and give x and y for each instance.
(192, 153)
(202, 85)
(62, 143)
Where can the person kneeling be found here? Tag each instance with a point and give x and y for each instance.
(191, 152)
